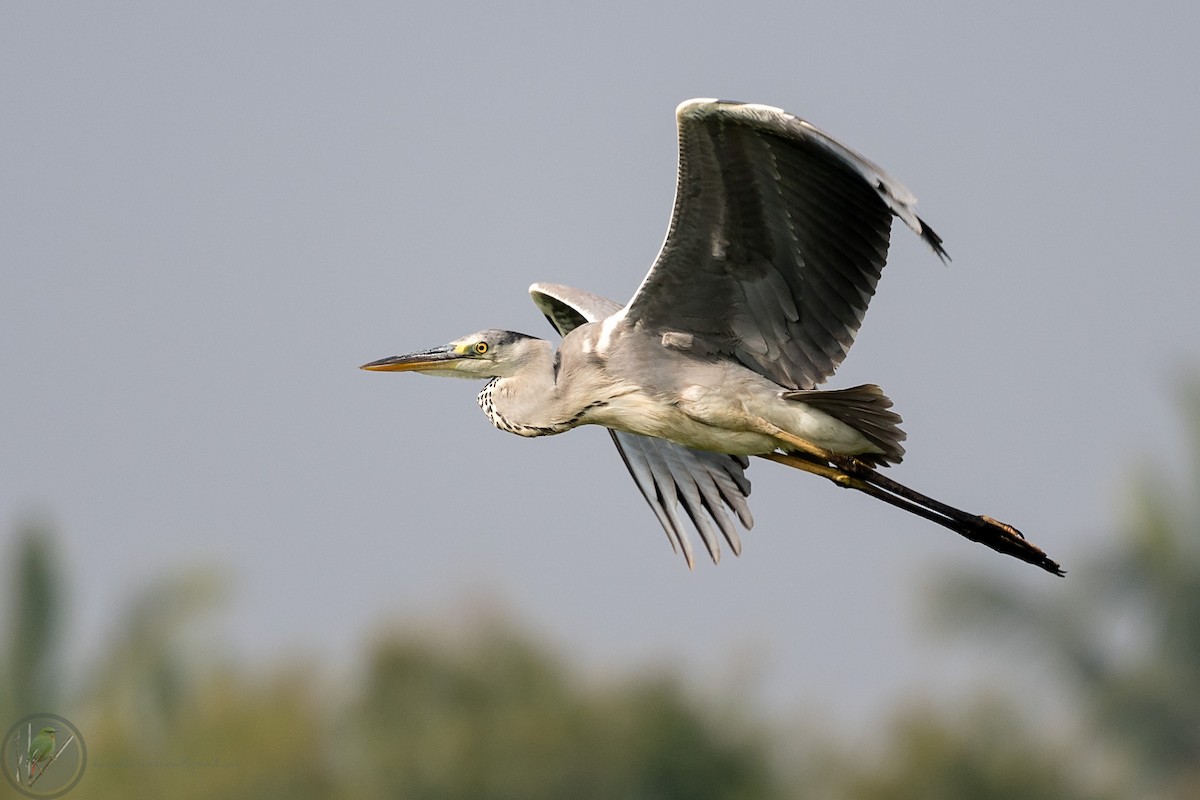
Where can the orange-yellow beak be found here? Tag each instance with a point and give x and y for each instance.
(433, 359)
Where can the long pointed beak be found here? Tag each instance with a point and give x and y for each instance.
(433, 359)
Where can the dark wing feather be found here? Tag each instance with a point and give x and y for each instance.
(668, 475)
(777, 240)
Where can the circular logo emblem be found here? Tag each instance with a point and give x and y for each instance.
(43, 755)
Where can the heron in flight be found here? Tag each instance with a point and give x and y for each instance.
(776, 242)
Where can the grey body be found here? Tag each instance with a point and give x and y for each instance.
(631, 381)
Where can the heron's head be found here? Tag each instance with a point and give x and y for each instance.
(487, 354)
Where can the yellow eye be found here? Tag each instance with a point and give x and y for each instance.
(481, 347)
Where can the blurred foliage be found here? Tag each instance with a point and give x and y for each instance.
(489, 714)
(984, 753)
(232, 737)
(491, 718)
(143, 675)
(29, 671)
(1125, 633)
(485, 713)
(497, 717)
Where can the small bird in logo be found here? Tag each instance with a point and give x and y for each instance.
(41, 749)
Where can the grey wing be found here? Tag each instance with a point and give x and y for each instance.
(668, 475)
(567, 308)
(777, 239)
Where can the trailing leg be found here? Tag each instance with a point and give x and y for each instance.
(851, 473)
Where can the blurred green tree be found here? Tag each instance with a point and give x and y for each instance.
(233, 736)
(1124, 632)
(496, 717)
(141, 680)
(986, 752)
(30, 672)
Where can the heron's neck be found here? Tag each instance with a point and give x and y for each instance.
(529, 402)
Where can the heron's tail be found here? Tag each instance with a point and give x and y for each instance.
(866, 409)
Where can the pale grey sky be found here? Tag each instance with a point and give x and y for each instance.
(211, 214)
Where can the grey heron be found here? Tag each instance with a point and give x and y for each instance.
(777, 239)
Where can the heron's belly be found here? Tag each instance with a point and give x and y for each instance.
(637, 413)
(712, 420)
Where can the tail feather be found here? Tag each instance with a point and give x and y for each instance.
(866, 409)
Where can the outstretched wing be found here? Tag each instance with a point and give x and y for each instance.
(777, 240)
(667, 474)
